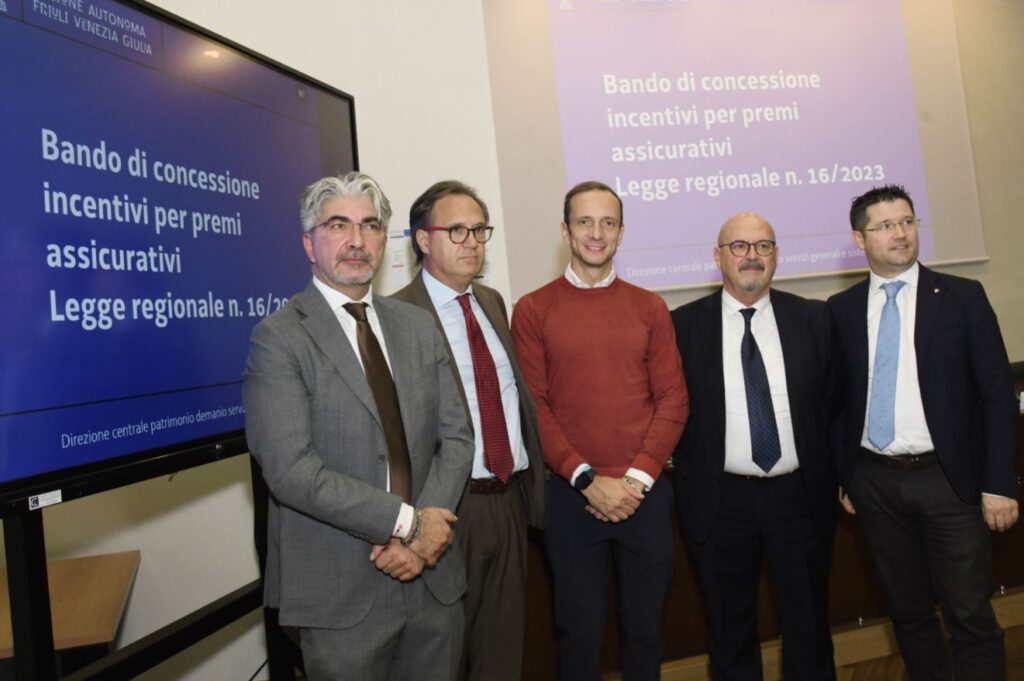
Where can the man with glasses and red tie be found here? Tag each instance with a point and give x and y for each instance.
(506, 490)
(354, 417)
(754, 473)
(929, 440)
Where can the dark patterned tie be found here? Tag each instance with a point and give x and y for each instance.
(383, 388)
(497, 451)
(764, 431)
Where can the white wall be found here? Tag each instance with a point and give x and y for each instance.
(418, 72)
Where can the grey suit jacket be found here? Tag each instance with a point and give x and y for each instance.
(534, 483)
(312, 424)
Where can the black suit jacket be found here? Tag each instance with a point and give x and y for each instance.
(534, 483)
(964, 376)
(804, 333)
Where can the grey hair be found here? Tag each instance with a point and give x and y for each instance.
(351, 184)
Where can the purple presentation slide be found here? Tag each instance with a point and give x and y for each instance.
(694, 110)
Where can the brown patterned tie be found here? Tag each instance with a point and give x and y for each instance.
(497, 450)
(383, 388)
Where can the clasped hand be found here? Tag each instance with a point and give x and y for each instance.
(397, 561)
(611, 499)
(407, 562)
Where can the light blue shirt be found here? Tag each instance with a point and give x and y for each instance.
(912, 435)
(453, 321)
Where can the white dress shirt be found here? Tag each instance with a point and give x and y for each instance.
(576, 281)
(453, 321)
(738, 453)
(912, 436)
(337, 300)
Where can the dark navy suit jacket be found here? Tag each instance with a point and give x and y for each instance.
(964, 376)
(804, 333)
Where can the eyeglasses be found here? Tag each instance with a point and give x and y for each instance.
(335, 226)
(607, 224)
(741, 248)
(908, 225)
(459, 233)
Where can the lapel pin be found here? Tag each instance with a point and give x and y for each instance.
(935, 291)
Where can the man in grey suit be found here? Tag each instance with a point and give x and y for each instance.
(507, 489)
(353, 414)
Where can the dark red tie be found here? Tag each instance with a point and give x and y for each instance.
(497, 451)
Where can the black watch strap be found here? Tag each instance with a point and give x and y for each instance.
(584, 479)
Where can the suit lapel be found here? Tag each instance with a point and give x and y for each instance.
(396, 335)
(858, 318)
(929, 295)
(323, 327)
(715, 376)
(791, 338)
(496, 315)
(418, 296)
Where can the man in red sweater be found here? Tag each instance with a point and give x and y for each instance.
(600, 357)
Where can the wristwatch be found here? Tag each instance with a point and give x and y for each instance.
(584, 479)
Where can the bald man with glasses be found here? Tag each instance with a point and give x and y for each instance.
(754, 475)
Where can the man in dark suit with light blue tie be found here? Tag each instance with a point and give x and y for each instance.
(929, 440)
(354, 417)
(754, 474)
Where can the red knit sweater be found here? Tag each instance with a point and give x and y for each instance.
(605, 371)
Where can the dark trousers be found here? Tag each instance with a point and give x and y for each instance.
(929, 545)
(580, 550)
(759, 516)
(492, 536)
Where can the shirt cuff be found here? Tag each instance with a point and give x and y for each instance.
(643, 477)
(576, 473)
(403, 525)
(997, 496)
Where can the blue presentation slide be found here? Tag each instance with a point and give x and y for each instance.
(148, 219)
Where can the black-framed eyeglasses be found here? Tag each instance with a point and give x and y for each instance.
(336, 226)
(908, 224)
(741, 248)
(459, 233)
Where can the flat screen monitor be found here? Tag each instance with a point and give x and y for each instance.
(149, 190)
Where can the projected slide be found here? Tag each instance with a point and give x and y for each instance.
(148, 219)
(694, 110)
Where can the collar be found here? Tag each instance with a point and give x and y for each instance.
(732, 306)
(909, 277)
(575, 280)
(335, 298)
(440, 294)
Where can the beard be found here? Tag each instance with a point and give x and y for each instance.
(357, 279)
(755, 283)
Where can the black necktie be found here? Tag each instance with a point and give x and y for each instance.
(384, 395)
(764, 432)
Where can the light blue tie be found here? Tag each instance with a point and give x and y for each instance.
(882, 413)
